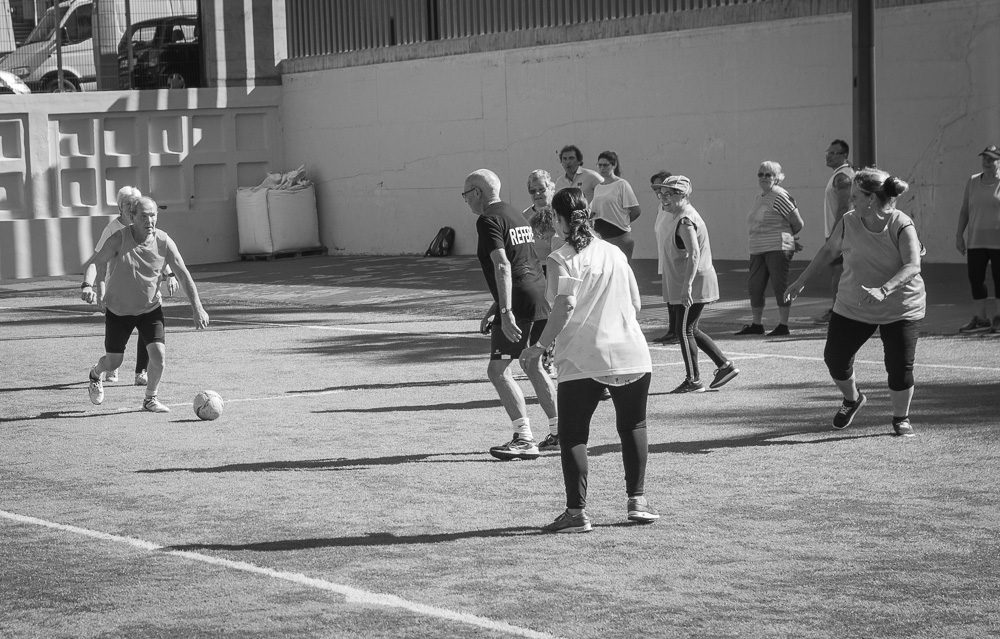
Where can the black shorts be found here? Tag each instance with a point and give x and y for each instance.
(503, 348)
(118, 328)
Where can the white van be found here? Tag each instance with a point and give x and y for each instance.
(35, 60)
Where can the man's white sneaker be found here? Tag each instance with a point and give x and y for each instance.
(154, 405)
(141, 378)
(112, 376)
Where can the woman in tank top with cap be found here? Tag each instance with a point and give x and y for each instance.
(691, 283)
(881, 289)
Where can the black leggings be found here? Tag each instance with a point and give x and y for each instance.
(577, 401)
(694, 338)
(845, 337)
(977, 260)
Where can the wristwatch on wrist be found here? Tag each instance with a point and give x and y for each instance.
(504, 310)
(86, 285)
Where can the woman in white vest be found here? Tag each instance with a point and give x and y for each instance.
(691, 284)
(598, 345)
(881, 289)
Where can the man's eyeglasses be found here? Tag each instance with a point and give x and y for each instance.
(760, 175)
(536, 191)
(464, 193)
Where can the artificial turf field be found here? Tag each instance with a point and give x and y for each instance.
(347, 492)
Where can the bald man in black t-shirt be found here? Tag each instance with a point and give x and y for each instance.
(514, 277)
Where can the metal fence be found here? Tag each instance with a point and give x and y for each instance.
(320, 27)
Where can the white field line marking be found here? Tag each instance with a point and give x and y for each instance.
(333, 391)
(991, 369)
(351, 594)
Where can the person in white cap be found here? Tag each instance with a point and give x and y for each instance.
(978, 239)
(691, 284)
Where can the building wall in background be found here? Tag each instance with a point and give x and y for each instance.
(389, 144)
(63, 158)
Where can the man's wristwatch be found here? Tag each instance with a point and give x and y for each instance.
(86, 285)
(504, 310)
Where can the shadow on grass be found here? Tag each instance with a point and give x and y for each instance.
(370, 539)
(424, 384)
(51, 387)
(327, 464)
(69, 414)
(469, 405)
(706, 446)
(405, 348)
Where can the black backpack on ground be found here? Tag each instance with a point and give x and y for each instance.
(442, 243)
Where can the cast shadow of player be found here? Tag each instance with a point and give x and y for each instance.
(342, 463)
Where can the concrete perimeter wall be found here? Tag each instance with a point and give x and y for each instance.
(63, 158)
(389, 144)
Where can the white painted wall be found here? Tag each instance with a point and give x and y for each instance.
(389, 145)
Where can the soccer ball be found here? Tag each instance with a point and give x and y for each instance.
(208, 405)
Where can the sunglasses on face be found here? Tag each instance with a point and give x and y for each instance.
(536, 191)
(764, 175)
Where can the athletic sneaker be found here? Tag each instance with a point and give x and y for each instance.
(779, 331)
(95, 388)
(996, 324)
(567, 523)
(551, 442)
(902, 427)
(141, 378)
(112, 376)
(751, 329)
(976, 325)
(605, 394)
(640, 511)
(824, 318)
(847, 411)
(724, 375)
(689, 386)
(516, 448)
(666, 338)
(154, 405)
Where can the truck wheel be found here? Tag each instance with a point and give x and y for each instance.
(68, 86)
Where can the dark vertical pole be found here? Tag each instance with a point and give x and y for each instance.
(128, 45)
(863, 20)
(60, 77)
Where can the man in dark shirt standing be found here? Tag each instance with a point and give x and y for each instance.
(514, 276)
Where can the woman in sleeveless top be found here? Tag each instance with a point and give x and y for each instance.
(978, 239)
(691, 283)
(598, 345)
(881, 289)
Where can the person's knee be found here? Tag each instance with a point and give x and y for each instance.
(496, 370)
(157, 354)
(628, 426)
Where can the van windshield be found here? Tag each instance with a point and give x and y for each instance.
(43, 31)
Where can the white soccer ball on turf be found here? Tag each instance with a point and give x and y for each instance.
(208, 405)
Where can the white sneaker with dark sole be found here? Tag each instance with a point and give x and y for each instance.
(641, 512)
(154, 405)
(95, 388)
(516, 449)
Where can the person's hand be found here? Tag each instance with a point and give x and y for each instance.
(874, 295)
(960, 244)
(200, 318)
(686, 299)
(89, 295)
(100, 301)
(530, 356)
(510, 328)
(793, 290)
(171, 286)
(486, 324)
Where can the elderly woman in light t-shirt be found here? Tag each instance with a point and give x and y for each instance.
(599, 345)
(774, 222)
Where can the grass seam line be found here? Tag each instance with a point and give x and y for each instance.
(351, 594)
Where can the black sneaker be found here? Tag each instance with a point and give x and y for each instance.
(666, 338)
(902, 427)
(689, 386)
(724, 375)
(847, 411)
(751, 329)
(567, 523)
(779, 331)
(551, 442)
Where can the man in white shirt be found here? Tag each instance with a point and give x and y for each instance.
(571, 159)
(836, 202)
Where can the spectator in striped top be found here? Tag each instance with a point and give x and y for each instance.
(774, 224)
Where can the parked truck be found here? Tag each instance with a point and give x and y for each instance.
(86, 59)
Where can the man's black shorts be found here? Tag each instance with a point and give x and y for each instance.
(118, 328)
(503, 348)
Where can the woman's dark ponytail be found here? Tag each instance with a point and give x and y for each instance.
(571, 206)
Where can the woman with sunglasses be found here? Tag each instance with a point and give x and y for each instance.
(540, 216)
(615, 205)
(881, 289)
(774, 223)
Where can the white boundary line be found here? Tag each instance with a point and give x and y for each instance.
(352, 595)
(349, 329)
